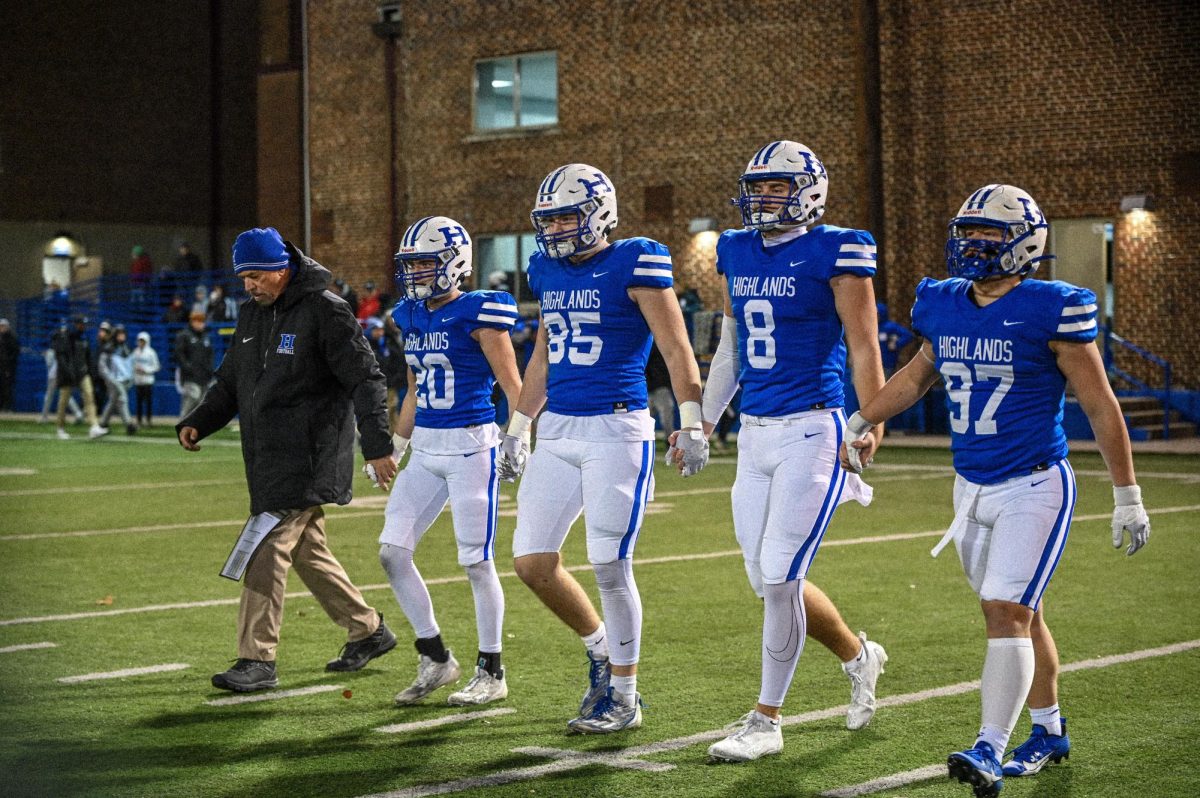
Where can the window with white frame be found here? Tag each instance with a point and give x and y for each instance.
(502, 259)
(516, 91)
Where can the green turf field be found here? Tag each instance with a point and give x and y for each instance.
(106, 545)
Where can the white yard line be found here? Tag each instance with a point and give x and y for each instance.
(926, 773)
(92, 677)
(444, 720)
(274, 695)
(112, 437)
(27, 647)
(448, 580)
(111, 488)
(568, 759)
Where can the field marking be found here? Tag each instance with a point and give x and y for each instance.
(123, 488)
(590, 758)
(17, 472)
(926, 773)
(81, 436)
(91, 677)
(567, 759)
(460, 578)
(27, 647)
(444, 720)
(274, 695)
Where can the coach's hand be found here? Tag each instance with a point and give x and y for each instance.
(1129, 514)
(859, 448)
(382, 470)
(188, 437)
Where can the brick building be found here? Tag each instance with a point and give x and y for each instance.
(911, 105)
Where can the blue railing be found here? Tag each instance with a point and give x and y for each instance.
(1140, 388)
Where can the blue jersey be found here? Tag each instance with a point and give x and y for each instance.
(1003, 387)
(598, 338)
(454, 378)
(791, 351)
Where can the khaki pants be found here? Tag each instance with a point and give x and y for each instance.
(89, 402)
(298, 540)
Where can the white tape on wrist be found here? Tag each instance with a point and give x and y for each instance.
(689, 415)
(1125, 495)
(519, 424)
(857, 425)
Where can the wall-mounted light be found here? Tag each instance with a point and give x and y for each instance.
(1136, 202)
(702, 224)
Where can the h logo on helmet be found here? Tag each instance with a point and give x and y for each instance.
(453, 235)
(1032, 212)
(590, 185)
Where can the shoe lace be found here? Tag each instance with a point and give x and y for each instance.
(1035, 747)
(596, 669)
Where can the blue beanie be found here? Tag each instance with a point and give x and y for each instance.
(260, 249)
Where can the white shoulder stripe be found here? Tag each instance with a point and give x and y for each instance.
(652, 272)
(655, 259)
(498, 319)
(1078, 326)
(499, 306)
(1080, 310)
(864, 248)
(845, 263)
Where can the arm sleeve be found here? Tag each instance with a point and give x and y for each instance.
(352, 362)
(1077, 319)
(652, 269)
(722, 381)
(495, 310)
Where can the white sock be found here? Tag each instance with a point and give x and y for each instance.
(624, 688)
(1007, 676)
(409, 588)
(1049, 718)
(597, 642)
(489, 604)
(783, 639)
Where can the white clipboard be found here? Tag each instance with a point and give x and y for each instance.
(256, 528)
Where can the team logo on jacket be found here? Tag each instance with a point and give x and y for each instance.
(287, 344)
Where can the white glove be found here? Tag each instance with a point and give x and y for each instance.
(514, 448)
(694, 446)
(858, 428)
(1129, 514)
(369, 470)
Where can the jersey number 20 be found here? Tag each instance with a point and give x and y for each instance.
(425, 370)
(954, 372)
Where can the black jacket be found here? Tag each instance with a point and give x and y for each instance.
(74, 353)
(298, 372)
(194, 356)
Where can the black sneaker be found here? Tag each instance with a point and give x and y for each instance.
(246, 676)
(358, 653)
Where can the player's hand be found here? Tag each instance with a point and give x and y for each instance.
(858, 450)
(688, 450)
(188, 437)
(1129, 514)
(382, 470)
(514, 452)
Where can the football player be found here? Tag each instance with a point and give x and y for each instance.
(600, 302)
(1006, 346)
(796, 298)
(457, 347)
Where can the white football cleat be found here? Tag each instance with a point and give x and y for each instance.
(430, 676)
(863, 676)
(63, 435)
(757, 736)
(483, 688)
(96, 431)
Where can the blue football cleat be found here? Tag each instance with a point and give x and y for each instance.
(599, 676)
(1039, 750)
(978, 767)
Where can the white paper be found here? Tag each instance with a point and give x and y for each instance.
(256, 528)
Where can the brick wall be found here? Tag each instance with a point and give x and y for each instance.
(1078, 104)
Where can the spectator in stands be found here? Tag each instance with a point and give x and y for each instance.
(221, 308)
(499, 281)
(145, 366)
(371, 304)
(176, 312)
(194, 361)
(73, 352)
(200, 301)
(186, 260)
(116, 368)
(658, 388)
(10, 353)
(689, 303)
(99, 386)
(347, 293)
(52, 386)
(141, 270)
(893, 337)
(524, 334)
(384, 338)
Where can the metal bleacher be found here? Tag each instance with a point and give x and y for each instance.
(115, 299)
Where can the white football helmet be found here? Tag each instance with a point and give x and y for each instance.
(783, 160)
(1012, 211)
(583, 191)
(439, 239)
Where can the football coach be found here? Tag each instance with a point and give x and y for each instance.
(298, 372)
